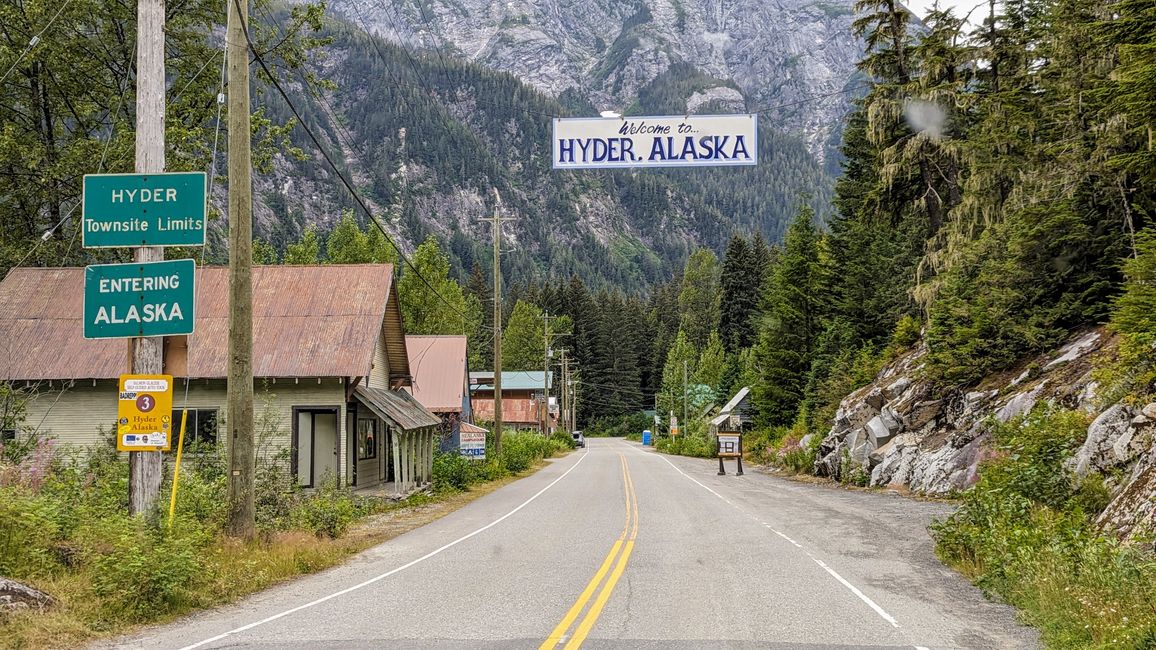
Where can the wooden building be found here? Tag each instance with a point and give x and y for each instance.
(441, 382)
(522, 395)
(329, 357)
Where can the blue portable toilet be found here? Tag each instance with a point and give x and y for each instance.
(646, 437)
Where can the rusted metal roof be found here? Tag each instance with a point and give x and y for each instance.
(438, 364)
(396, 406)
(308, 321)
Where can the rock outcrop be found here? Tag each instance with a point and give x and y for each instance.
(776, 52)
(899, 431)
(17, 596)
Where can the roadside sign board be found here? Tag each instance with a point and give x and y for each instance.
(673, 141)
(473, 444)
(730, 445)
(166, 209)
(144, 413)
(139, 299)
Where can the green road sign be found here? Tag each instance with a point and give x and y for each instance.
(139, 299)
(144, 210)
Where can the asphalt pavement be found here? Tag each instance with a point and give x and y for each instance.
(617, 546)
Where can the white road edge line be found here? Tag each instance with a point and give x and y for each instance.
(390, 572)
(862, 596)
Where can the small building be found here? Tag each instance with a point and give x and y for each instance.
(441, 382)
(522, 398)
(329, 358)
(735, 415)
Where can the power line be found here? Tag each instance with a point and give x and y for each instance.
(34, 41)
(811, 98)
(336, 170)
(99, 167)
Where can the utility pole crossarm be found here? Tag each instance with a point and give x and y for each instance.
(496, 221)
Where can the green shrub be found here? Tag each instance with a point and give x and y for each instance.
(452, 472)
(328, 511)
(201, 498)
(276, 492)
(1025, 533)
(521, 449)
(563, 440)
(695, 446)
(907, 331)
(140, 571)
(28, 529)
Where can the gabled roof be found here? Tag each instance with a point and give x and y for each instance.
(736, 400)
(471, 428)
(308, 321)
(511, 380)
(438, 364)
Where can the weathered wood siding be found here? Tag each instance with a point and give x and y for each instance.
(74, 415)
(379, 375)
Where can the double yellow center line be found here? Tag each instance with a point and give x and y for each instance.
(621, 550)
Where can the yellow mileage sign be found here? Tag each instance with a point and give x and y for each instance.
(144, 420)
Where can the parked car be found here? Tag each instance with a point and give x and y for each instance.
(579, 439)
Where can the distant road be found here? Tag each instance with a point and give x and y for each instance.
(620, 547)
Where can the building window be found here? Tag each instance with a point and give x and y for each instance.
(200, 428)
(366, 439)
(7, 435)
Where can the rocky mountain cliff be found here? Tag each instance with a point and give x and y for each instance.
(901, 432)
(759, 53)
(427, 139)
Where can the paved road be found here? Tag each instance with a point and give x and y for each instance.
(620, 547)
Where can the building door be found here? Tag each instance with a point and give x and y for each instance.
(314, 445)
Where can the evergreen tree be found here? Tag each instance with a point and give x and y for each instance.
(739, 295)
(480, 288)
(793, 304)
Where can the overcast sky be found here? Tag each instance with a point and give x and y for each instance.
(921, 7)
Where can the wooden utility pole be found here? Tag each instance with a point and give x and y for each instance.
(684, 420)
(496, 221)
(546, 372)
(242, 459)
(144, 484)
(564, 412)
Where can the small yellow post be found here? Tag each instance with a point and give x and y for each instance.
(177, 468)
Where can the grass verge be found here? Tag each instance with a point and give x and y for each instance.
(111, 574)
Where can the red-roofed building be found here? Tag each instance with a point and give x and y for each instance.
(441, 381)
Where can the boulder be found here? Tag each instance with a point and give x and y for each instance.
(1149, 411)
(15, 595)
(922, 414)
(896, 388)
(1136, 441)
(1075, 349)
(882, 427)
(1020, 403)
(855, 413)
(1097, 452)
(875, 399)
(1132, 513)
